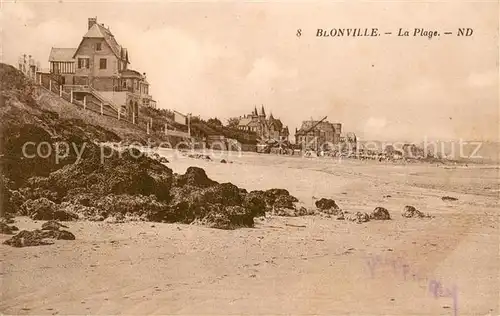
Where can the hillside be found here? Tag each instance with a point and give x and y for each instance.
(54, 168)
(202, 127)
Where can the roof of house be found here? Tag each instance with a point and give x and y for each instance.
(244, 121)
(276, 122)
(307, 126)
(62, 54)
(254, 123)
(131, 73)
(99, 31)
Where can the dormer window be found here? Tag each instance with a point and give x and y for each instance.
(98, 46)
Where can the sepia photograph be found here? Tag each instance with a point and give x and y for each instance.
(220, 157)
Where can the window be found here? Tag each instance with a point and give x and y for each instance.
(98, 46)
(102, 63)
(83, 63)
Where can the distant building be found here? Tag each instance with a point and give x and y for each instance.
(316, 135)
(102, 64)
(265, 128)
(28, 66)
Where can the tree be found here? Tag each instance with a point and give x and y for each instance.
(233, 122)
(214, 122)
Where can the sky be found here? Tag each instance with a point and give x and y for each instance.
(221, 59)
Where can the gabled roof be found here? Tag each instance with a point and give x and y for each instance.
(62, 54)
(244, 121)
(94, 32)
(314, 126)
(254, 123)
(99, 31)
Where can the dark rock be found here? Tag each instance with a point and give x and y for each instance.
(200, 156)
(272, 194)
(277, 201)
(294, 211)
(139, 206)
(15, 136)
(52, 225)
(380, 213)
(328, 206)
(195, 177)
(16, 200)
(44, 209)
(62, 235)
(256, 202)
(324, 204)
(411, 212)
(285, 201)
(357, 217)
(189, 203)
(6, 229)
(6, 209)
(449, 198)
(43, 205)
(84, 212)
(163, 160)
(225, 193)
(7, 219)
(38, 187)
(27, 238)
(223, 161)
(228, 217)
(184, 206)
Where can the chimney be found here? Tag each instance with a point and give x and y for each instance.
(92, 21)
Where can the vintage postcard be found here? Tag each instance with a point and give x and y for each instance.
(249, 157)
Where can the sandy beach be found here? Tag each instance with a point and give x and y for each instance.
(300, 265)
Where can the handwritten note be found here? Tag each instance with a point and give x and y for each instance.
(400, 267)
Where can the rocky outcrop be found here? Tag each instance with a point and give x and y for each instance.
(38, 237)
(53, 225)
(97, 182)
(84, 212)
(411, 212)
(27, 238)
(220, 206)
(200, 156)
(44, 209)
(158, 158)
(127, 172)
(7, 229)
(194, 177)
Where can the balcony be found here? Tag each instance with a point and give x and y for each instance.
(125, 89)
